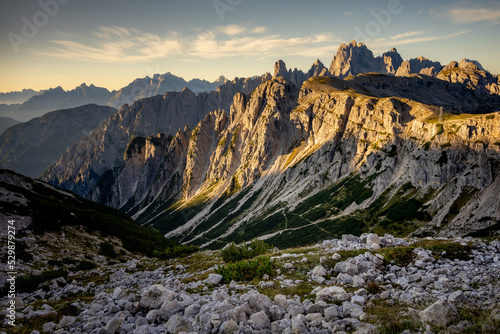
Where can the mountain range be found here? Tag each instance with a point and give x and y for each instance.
(29, 104)
(298, 157)
(17, 97)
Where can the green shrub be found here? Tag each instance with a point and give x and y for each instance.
(176, 251)
(107, 249)
(30, 283)
(55, 263)
(234, 253)
(22, 253)
(247, 270)
(84, 265)
(407, 210)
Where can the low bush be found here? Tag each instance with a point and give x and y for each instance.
(30, 283)
(107, 249)
(176, 251)
(234, 253)
(247, 270)
(84, 265)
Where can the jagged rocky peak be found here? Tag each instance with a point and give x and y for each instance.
(392, 60)
(355, 58)
(280, 69)
(420, 65)
(317, 69)
(471, 73)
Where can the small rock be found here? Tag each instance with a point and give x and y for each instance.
(298, 324)
(351, 310)
(48, 327)
(114, 323)
(259, 320)
(319, 271)
(177, 323)
(336, 257)
(281, 301)
(229, 327)
(495, 314)
(67, 321)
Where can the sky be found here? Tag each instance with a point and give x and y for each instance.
(109, 43)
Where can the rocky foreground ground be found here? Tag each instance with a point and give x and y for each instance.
(366, 284)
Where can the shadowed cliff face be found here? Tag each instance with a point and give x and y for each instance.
(335, 156)
(81, 166)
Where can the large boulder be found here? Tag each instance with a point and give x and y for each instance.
(257, 302)
(440, 314)
(332, 294)
(155, 296)
(214, 279)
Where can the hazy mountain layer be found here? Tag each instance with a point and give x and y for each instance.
(159, 84)
(56, 99)
(6, 122)
(17, 96)
(30, 148)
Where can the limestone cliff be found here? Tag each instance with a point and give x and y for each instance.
(288, 162)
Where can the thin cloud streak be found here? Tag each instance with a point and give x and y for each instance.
(407, 34)
(464, 15)
(123, 45)
(384, 42)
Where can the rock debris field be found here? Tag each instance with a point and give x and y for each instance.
(366, 284)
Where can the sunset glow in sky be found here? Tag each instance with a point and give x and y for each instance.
(49, 43)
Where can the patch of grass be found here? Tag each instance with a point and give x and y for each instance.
(440, 129)
(344, 225)
(235, 253)
(303, 290)
(84, 265)
(389, 318)
(402, 256)
(306, 235)
(480, 320)
(452, 250)
(406, 209)
(490, 117)
(176, 251)
(459, 203)
(247, 270)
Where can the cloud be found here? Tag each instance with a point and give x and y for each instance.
(125, 45)
(348, 13)
(467, 15)
(407, 34)
(402, 39)
(231, 30)
(115, 44)
(259, 30)
(208, 45)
